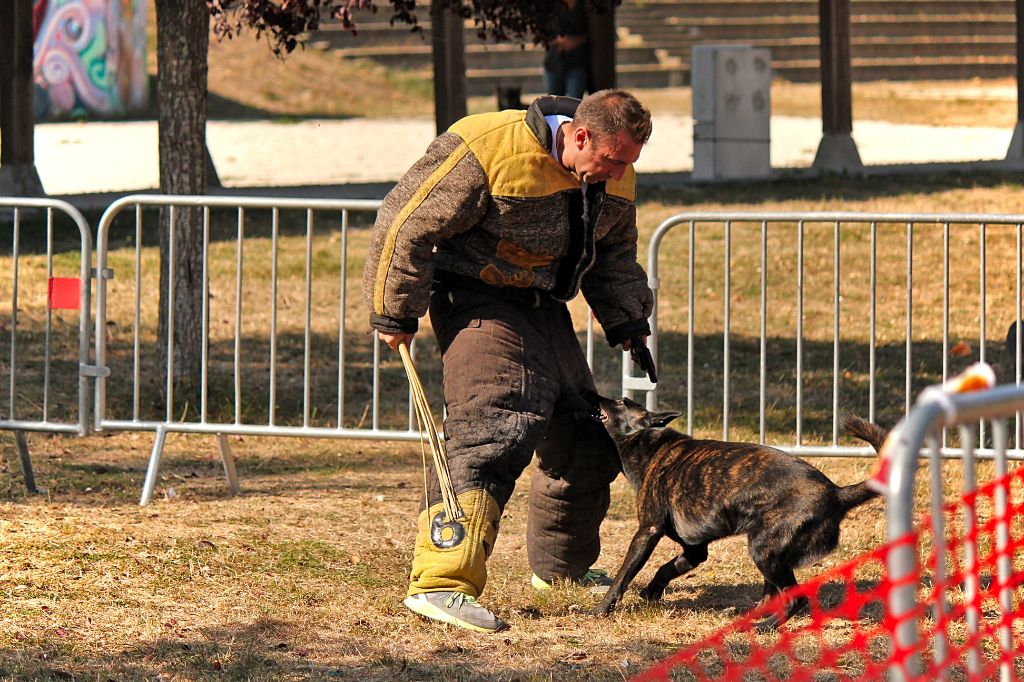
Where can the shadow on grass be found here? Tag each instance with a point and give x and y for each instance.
(736, 599)
(199, 474)
(270, 649)
(781, 380)
(300, 470)
(815, 380)
(831, 188)
(273, 650)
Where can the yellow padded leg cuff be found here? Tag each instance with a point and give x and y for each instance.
(452, 556)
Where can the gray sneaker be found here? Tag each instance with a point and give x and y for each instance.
(595, 580)
(455, 608)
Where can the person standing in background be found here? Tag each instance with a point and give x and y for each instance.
(566, 61)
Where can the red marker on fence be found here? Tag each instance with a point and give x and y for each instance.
(976, 377)
(65, 293)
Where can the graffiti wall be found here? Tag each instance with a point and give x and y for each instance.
(89, 59)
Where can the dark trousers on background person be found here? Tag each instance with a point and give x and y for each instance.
(513, 377)
(565, 79)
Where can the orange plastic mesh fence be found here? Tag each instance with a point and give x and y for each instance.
(848, 631)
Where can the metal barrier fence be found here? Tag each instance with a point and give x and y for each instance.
(781, 321)
(44, 334)
(976, 553)
(777, 323)
(285, 347)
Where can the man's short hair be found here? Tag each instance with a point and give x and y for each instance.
(607, 112)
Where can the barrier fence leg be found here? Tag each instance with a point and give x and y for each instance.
(229, 463)
(154, 466)
(26, 462)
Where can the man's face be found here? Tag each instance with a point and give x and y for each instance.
(608, 158)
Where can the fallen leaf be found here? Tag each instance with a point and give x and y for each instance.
(960, 350)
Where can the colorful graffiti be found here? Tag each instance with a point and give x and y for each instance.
(89, 59)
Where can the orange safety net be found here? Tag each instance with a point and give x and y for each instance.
(848, 632)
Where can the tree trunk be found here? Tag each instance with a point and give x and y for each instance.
(836, 97)
(182, 47)
(837, 151)
(18, 176)
(601, 39)
(449, 54)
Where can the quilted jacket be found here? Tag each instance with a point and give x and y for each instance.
(489, 201)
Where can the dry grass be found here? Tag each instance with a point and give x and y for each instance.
(302, 576)
(309, 84)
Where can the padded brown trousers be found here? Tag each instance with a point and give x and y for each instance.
(513, 377)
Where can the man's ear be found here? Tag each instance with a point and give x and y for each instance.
(580, 136)
(659, 419)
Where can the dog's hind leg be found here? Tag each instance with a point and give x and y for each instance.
(778, 577)
(691, 557)
(640, 549)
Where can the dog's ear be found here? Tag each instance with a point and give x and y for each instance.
(660, 419)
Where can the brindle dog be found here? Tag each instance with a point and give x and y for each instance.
(697, 491)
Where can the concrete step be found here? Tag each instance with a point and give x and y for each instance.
(866, 48)
(485, 81)
(377, 33)
(481, 56)
(648, 9)
(933, 68)
(807, 27)
(891, 39)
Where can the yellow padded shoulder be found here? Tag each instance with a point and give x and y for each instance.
(515, 162)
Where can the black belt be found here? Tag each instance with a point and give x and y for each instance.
(529, 298)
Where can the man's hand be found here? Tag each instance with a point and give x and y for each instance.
(394, 340)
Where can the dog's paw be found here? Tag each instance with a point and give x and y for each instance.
(766, 625)
(651, 594)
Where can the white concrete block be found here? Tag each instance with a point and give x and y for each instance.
(732, 111)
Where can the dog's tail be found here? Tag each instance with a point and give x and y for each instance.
(852, 496)
(855, 495)
(873, 434)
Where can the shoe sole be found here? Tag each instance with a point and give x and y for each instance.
(541, 586)
(427, 610)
